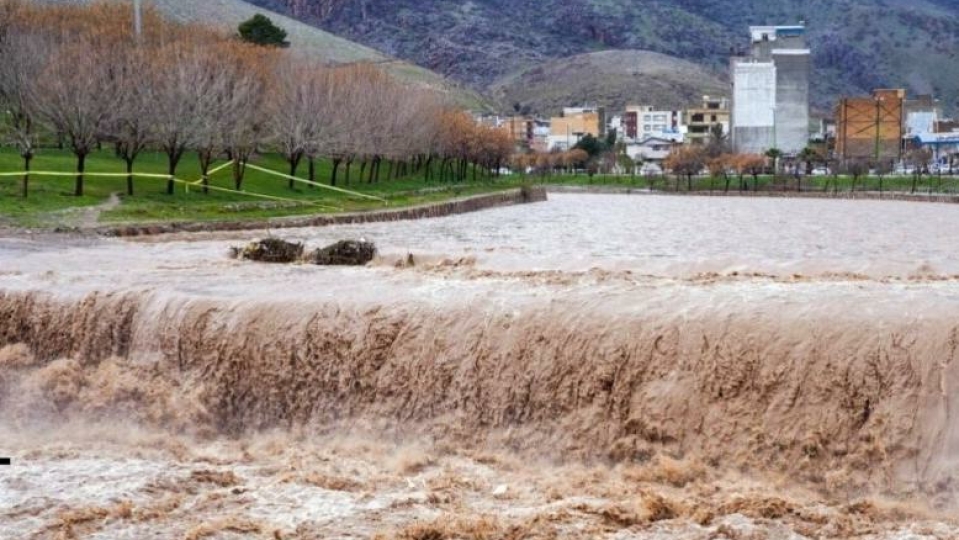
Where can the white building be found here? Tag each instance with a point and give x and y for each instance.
(771, 91)
(643, 121)
(651, 151)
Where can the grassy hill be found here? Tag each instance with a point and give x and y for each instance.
(857, 44)
(611, 78)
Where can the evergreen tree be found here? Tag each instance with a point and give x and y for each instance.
(260, 30)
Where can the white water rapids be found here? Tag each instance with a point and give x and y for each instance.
(596, 366)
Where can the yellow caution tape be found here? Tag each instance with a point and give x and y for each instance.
(262, 196)
(324, 186)
(211, 172)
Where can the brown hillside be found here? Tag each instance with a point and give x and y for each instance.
(611, 78)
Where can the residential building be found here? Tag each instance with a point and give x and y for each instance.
(540, 141)
(651, 151)
(643, 121)
(574, 124)
(700, 121)
(871, 127)
(942, 140)
(770, 105)
(920, 115)
(520, 129)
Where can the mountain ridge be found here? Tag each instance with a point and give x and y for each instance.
(857, 45)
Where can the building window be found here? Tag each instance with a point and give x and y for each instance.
(698, 118)
(713, 118)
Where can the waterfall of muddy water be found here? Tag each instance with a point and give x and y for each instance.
(591, 367)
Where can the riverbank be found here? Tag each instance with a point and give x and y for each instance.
(432, 210)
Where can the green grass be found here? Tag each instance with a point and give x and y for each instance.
(51, 201)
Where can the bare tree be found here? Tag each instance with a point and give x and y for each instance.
(131, 129)
(291, 120)
(245, 126)
(78, 97)
(219, 102)
(23, 56)
(178, 73)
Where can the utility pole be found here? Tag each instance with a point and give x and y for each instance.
(137, 19)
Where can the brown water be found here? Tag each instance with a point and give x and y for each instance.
(595, 366)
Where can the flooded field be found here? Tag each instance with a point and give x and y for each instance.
(590, 367)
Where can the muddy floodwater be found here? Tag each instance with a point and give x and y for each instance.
(596, 366)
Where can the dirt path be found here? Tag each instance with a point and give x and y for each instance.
(83, 218)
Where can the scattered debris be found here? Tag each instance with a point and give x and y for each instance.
(344, 253)
(271, 250)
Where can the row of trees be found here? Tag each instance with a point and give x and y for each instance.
(79, 73)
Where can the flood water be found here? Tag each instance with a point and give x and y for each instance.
(596, 366)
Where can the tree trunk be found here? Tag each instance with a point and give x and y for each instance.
(239, 168)
(362, 170)
(311, 165)
(129, 176)
(173, 159)
(206, 158)
(81, 165)
(294, 164)
(336, 167)
(349, 165)
(26, 174)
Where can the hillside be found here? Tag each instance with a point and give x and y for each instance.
(857, 44)
(612, 78)
(228, 14)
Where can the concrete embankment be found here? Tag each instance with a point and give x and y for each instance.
(432, 210)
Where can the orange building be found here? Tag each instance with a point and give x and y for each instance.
(565, 131)
(870, 127)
